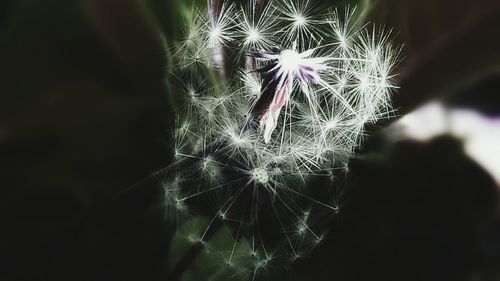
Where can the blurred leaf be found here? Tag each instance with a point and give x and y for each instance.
(222, 258)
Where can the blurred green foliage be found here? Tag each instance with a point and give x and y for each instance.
(221, 258)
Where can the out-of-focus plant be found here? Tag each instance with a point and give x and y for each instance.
(277, 96)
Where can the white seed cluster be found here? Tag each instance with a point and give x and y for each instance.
(260, 175)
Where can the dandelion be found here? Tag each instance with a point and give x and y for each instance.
(292, 107)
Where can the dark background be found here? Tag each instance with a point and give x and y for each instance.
(86, 112)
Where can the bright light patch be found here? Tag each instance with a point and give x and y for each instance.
(290, 60)
(301, 86)
(479, 134)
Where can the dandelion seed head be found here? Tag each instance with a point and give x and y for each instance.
(293, 105)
